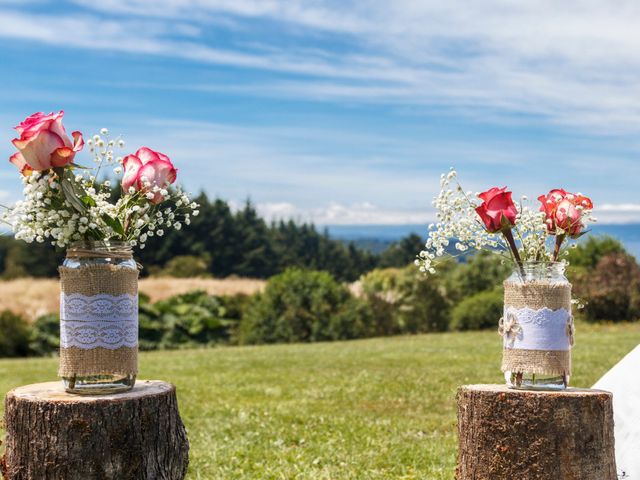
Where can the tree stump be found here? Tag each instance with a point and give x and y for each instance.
(54, 435)
(534, 435)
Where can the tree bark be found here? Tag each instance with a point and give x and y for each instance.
(55, 435)
(534, 435)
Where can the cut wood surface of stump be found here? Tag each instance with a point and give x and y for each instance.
(55, 435)
(534, 435)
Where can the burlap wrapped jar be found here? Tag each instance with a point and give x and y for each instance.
(537, 327)
(98, 318)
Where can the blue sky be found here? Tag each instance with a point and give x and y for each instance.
(341, 112)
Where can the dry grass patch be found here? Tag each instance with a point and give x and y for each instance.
(32, 297)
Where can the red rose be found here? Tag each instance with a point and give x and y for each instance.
(497, 211)
(563, 211)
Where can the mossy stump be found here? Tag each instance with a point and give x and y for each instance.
(51, 434)
(534, 435)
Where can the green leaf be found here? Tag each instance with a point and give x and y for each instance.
(70, 195)
(578, 235)
(114, 223)
(88, 201)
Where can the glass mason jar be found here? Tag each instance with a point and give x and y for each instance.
(98, 318)
(537, 327)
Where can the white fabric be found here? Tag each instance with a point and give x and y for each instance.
(105, 321)
(542, 329)
(623, 380)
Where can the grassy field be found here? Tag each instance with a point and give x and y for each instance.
(369, 409)
(33, 297)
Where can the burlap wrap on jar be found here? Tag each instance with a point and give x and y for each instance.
(98, 320)
(537, 328)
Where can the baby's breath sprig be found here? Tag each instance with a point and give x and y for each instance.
(68, 204)
(522, 237)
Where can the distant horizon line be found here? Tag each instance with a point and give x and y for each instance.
(610, 224)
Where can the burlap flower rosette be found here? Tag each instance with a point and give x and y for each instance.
(98, 320)
(537, 328)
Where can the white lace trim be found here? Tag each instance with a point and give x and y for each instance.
(105, 321)
(542, 329)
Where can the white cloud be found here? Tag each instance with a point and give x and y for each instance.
(573, 63)
(617, 213)
(363, 213)
(620, 208)
(366, 213)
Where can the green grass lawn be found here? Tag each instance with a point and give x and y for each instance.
(370, 409)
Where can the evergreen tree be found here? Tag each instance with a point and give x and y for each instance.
(230, 243)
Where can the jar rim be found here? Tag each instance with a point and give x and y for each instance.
(544, 262)
(540, 269)
(100, 248)
(101, 244)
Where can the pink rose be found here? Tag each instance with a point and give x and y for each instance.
(148, 169)
(497, 211)
(563, 210)
(18, 160)
(44, 144)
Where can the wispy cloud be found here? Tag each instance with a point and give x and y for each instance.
(611, 213)
(366, 213)
(386, 95)
(575, 66)
(363, 213)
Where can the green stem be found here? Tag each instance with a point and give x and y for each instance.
(556, 249)
(508, 235)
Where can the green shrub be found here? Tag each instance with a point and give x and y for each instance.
(187, 266)
(235, 305)
(297, 306)
(380, 289)
(611, 291)
(591, 250)
(406, 301)
(14, 341)
(481, 272)
(192, 318)
(45, 334)
(151, 325)
(482, 310)
(354, 319)
(381, 281)
(421, 306)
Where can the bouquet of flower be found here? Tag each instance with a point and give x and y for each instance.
(497, 223)
(65, 202)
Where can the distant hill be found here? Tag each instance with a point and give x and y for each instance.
(376, 238)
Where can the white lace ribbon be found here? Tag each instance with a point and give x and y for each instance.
(542, 329)
(105, 321)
